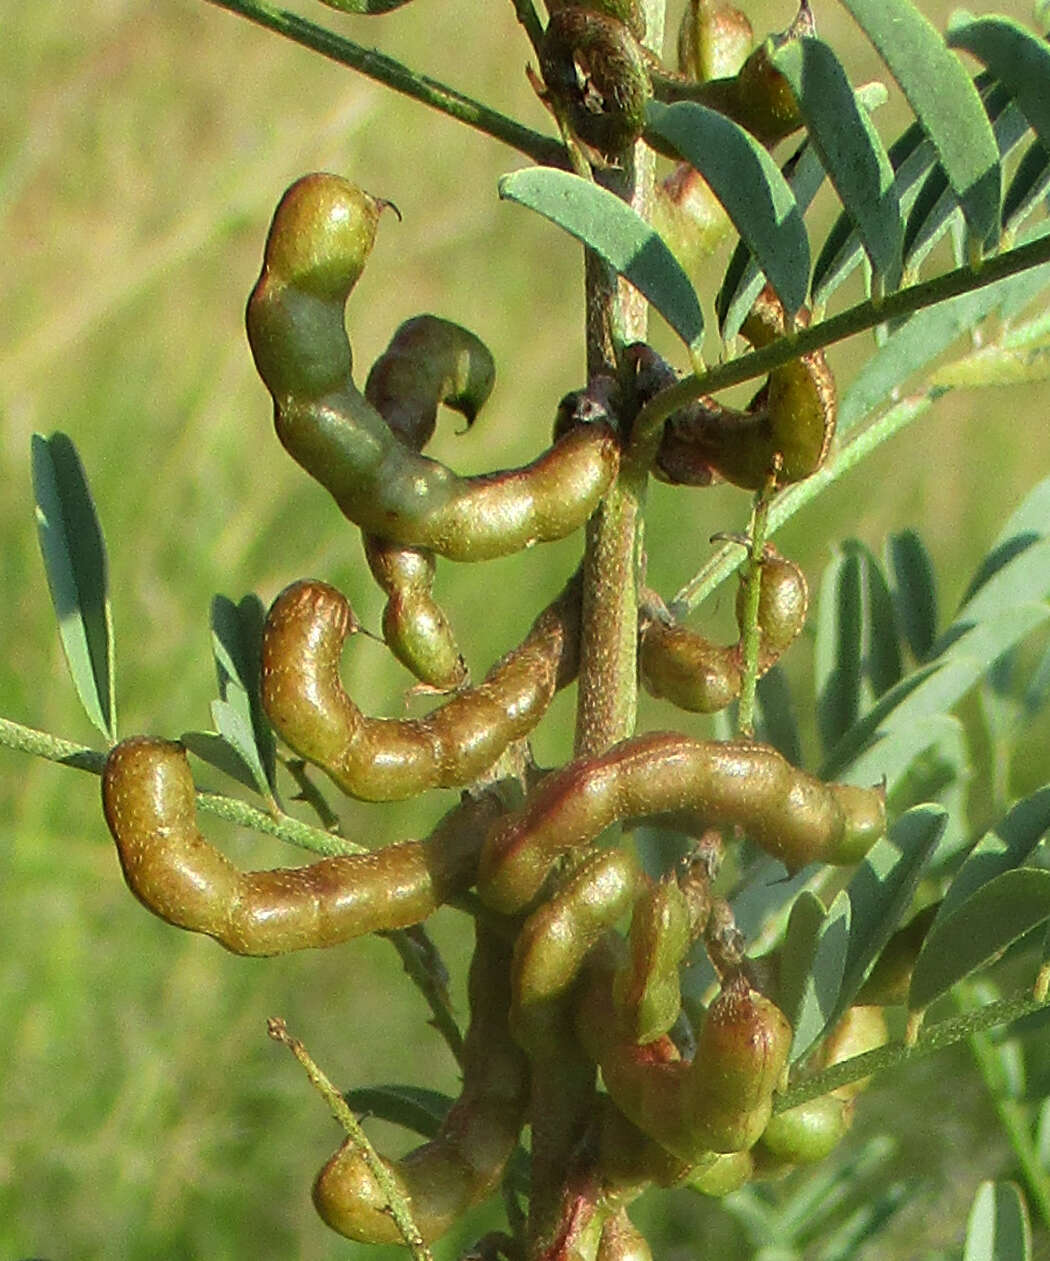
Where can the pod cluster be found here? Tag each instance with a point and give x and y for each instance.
(575, 1010)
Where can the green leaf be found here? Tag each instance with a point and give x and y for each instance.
(238, 714)
(1017, 568)
(214, 749)
(413, 1107)
(812, 960)
(74, 554)
(776, 715)
(364, 6)
(1027, 189)
(945, 102)
(850, 149)
(881, 891)
(914, 587)
(978, 931)
(1016, 57)
(617, 234)
(998, 1227)
(748, 183)
(744, 278)
(1010, 843)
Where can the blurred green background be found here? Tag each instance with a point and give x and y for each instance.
(143, 1112)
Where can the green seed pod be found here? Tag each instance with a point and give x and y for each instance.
(597, 73)
(689, 217)
(889, 980)
(803, 1135)
(429, 361)
(862, 1028)
(647, 990)
(792, 815)
(557, 937)
(728, 1172)
(791, 419)
(149, 802)
(385, 759)
(702, 677)
(464, 1162)
(621, 1240)
(714, 40)
(321, 235)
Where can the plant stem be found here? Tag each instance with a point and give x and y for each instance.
(752, 592)
(420, 87)
(424, 967)
(400, 1210)
(14, 735)
(856, 319)
(934, 1038)
(784, 506)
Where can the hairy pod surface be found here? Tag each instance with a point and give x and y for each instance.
(464, 1162)
(149, 801)
(629, 12)
(386, 759)
(791, 420)
(684, 667)
(317, 246)
(557, 937)
(792, 815)
(597, 72)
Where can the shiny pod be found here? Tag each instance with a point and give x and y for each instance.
(320, 238)
(149, 801)
(387, 759)
(787, 428)
(646, 989)
(464, 1162)
(792, 815)
(804, 1135)
(714, 40)
(696, 675)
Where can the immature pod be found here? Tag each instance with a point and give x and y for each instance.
(803, 1135)
(149, 802)
(787, 427)
(722, 1099)
(597, 73)
(684, 667)
(464, 1162)
(792, 815)
(714, 40)
(320, 237)
(557, 937)
(689, 217)
(386, 759)
(429, 361)
(647, 990)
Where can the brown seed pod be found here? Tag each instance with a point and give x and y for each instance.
(149, 802)
(464, 1162)
(320, 238)
(597, 74)
(792, 815)
(684, 667)
(790, 420)
(629, 12)
(385, 759)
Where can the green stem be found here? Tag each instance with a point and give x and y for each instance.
(40, 744)
(933, 1038)
(400, 1210)
(527, 16)
(752, 592)
(857, 319)
(784, 506)
(424, 968)
(386, 70)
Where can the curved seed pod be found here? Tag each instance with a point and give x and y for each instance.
(688, 216)
(317, 246)
(629, 12)
(429, 361)
(702, 677)
(557, 937)
(415, 627)
(149, 803)
(803, 1135)
(464, 1162)
(722, 1099)
(758, 97)
(647, 991)
(385, 759)
(714, 40)
(792, 815)
(862, 1028)
(728, 1172)
(791, 418)
(597, 73)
